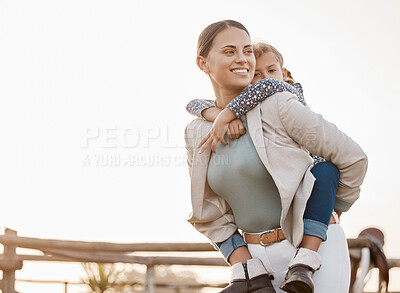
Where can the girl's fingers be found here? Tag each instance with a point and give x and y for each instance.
(203, 140)
(212, 138)
(205, 146)
(214, 145)
(213, 141)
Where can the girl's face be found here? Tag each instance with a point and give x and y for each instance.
(230, 63)
(267, 66)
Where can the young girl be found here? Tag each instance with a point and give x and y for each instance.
(317, 216)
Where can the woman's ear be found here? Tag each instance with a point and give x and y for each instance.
(202, 64)
(284, 73)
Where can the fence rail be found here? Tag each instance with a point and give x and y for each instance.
(104, 252)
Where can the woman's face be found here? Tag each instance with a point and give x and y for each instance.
(267, 66)
(230, 63)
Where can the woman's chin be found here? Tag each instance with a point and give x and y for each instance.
(241, 83)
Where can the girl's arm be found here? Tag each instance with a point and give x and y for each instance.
(243, 103)
(259, 91)
(197, 108)
(206, 109)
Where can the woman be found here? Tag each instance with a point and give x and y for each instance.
(318, 213)
(278, 128)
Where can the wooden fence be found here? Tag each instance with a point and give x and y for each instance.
(105, 252)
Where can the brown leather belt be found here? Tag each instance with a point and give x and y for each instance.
(270, 237)
(266, 238)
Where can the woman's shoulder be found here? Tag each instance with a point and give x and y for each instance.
(278, 103)
(197, 122)
(197, 127)
(281, 97)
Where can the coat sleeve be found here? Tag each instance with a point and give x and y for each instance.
(324, 139)
(211, 215)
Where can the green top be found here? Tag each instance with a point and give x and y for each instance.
(237, 174)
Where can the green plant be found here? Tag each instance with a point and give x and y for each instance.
(102, 278)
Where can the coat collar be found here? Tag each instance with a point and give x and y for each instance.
(256, 133)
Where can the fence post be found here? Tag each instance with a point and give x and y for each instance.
(9, 264)
(149, 282)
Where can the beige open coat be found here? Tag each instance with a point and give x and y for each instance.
(281, 130)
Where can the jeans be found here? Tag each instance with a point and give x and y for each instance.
(318, 210)
(319, 206)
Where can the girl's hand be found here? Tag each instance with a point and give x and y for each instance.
(217, 131)
(236, 129)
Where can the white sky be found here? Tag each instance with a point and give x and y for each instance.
(86, 79)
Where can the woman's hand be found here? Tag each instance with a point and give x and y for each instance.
(210, 114)
(236, 129)
(217, 131)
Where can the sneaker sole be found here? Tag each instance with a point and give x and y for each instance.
(265, 290)
(296, 287)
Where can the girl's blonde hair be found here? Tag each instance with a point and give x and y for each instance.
(260, 48)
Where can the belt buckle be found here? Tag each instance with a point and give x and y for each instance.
(269, 243)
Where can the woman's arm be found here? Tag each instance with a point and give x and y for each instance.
(324, 139)
(211, 215)
(239, 253)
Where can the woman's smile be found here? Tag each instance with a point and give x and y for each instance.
(240, 71)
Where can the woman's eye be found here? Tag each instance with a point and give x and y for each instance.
(229, 52)
(250, 51)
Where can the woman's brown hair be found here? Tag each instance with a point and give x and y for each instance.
(260, 48)
(208, 35)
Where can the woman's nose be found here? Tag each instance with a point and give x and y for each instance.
(241, 58)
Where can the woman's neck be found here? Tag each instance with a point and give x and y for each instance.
(223, 97)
